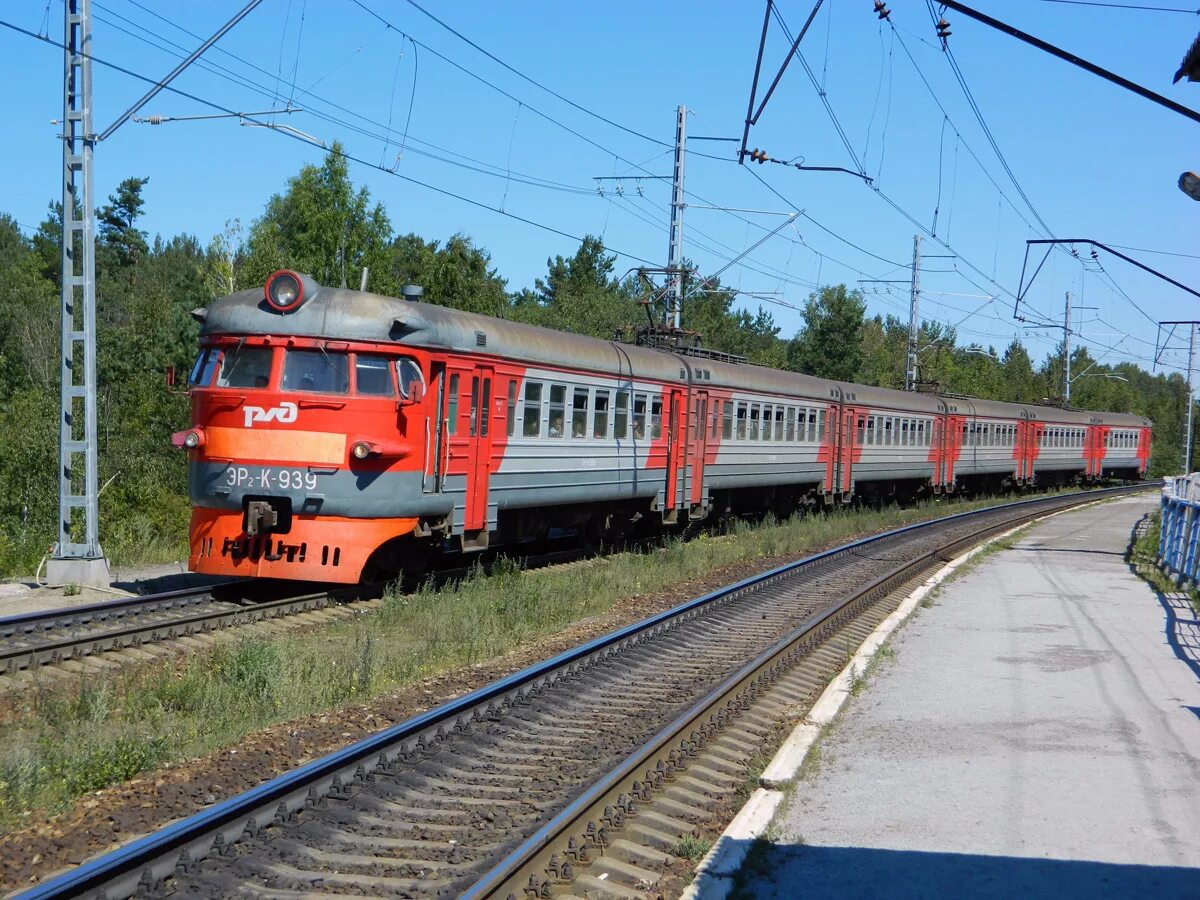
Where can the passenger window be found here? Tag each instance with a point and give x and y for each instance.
(600, 416)
(656, 406)
(621, 416)
(812, 426)
(202, 371)
(474, 406)
(887, 432)
(410, 374)
(512, 408)
(741, 421)
(639, 417)
(779, 423)
(373, 376)
(727, 420)
(485, 409)
(248, 367)
(790, 434)
(755, 412)
(558, 404)
(315, 371)
(531, 416)
(862, 430)
(820, 426)
(870, 431)
(579, 413)
(452, 406)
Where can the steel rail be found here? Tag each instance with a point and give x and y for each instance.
(145, 862)
(523, 870)
(134, 634)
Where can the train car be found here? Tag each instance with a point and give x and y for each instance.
(1121, 446)
(339, 435)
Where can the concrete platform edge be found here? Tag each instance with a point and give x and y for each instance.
(715, 873)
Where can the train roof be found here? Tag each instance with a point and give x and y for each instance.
(349, 315)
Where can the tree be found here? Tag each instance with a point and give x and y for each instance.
(579, 294)
(459, 274)
(321, 226)
(830, 345)
(120, 244)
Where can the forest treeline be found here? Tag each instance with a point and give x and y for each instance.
(321, 224)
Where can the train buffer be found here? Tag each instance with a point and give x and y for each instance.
(1033, 731)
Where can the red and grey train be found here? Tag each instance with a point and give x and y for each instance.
(339, 435)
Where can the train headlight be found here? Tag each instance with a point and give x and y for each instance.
(287, 290)
(188, 440)
(362, 449)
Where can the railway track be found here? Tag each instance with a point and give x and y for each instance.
(128, 629)
(579, 776)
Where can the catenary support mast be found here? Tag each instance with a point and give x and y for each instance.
(675, 251)
(914, 318)
(77, 557)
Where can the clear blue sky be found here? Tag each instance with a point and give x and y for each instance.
(1094, 160)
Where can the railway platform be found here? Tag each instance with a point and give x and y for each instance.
(1034, 732)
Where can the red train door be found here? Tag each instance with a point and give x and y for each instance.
(471, 452)
(698, 438)
(674, 414)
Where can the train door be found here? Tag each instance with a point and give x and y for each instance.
(854, 424)
(470, 423)
(674, 414)
(698, 440)
(435, 433)
(480, 426)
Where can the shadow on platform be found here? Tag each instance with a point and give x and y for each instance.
(823, 873)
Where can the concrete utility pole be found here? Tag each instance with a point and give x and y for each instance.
(74, 560)
(1191, 394)
(914, 318)
(1066, 391)
(675, 251)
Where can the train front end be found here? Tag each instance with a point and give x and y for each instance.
(308, 442)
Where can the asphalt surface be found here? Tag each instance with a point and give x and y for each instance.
(1037, 733)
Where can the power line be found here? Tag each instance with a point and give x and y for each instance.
(1170, 9)
(975, 108)
(306, 139)
(521, 75)
(227, 74)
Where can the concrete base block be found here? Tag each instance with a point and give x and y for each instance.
(83, 572)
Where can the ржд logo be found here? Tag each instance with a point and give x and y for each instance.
(284, 413)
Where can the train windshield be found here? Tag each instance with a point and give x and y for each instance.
(206, 364)
(246, 367)
(316, 371)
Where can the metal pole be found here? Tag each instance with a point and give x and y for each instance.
(675, 251)
(1066, 391)
(1191, 395)
(77, 557)
(914, 317)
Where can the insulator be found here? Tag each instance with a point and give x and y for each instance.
(881, 9)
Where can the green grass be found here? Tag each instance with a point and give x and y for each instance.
(691, 848)
(76, 740)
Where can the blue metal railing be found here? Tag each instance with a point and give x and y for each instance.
(1180, 534)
